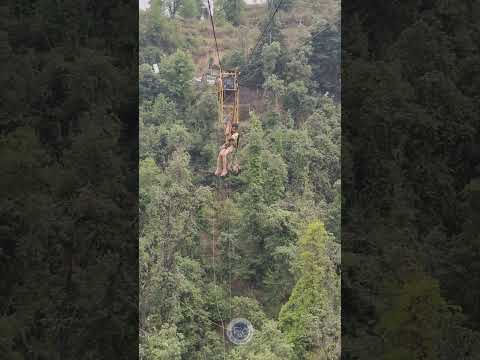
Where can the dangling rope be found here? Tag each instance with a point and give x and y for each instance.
(229, 259)
(215, 283)
(214, 217)
(196, 313)
(213, 222)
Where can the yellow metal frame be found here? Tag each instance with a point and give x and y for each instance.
(232, 107)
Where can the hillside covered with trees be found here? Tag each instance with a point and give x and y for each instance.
(410, 180)
(262, 245)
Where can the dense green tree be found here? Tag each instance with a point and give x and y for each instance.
(270, 55)
(175, 77)
(233, 11)
(298, 101)
(286, 5)
(204, 115)
(406, 325)
(164, 343)
(311, 317)
(233, 59)
(298, 67)
(148, 83)
(274, 90)
(157, 31)
(325, 60)
(268, 343)
(161, 111)
(160, 142)
(274, 29)
(265, 173)
(67, 274)
(189, 9)
(407, 70)
(323, 126)
(150, 55)
(296, 149)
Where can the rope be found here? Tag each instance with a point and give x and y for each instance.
(252, 75)
(249, 64)
(312, 37)
(214, 34)
(198, 314)
(215, 285)
(229, 257)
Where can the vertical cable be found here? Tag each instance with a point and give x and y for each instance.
(214, 34)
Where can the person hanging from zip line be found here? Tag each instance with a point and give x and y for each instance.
(225, 150)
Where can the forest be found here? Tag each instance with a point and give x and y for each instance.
(69, 160)
(410, 180)
(263, 245)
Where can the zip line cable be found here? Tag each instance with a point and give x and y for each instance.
(311, 38)
(267, 27)
(319, 32)
(214, 33)
(262, 35)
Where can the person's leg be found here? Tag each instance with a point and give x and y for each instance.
(219, 165)
(225, 164)
(228, 128)
(219, 161)
(225, 161)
